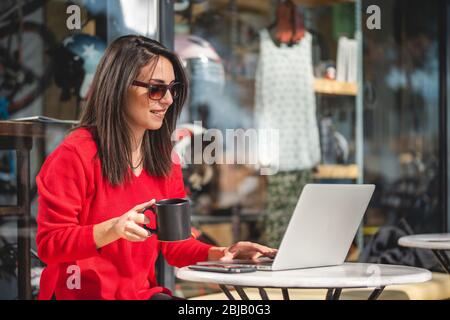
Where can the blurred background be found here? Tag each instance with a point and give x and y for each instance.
(353, 105)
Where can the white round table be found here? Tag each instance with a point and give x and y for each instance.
(439, 243)
(335, 278)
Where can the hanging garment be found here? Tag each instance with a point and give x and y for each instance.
(347, 54)
(283, 191)
(285, 101)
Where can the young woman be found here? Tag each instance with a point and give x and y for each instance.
(94, 188)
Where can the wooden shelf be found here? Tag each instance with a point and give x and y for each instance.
(321, 2)
(245, 5)
(334, 87)
(265, 6)
(336, 171)
(12, 211)
(21, 129)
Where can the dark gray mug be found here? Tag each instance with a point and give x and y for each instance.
(173, 219)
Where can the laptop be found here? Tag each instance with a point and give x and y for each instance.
(321, 229)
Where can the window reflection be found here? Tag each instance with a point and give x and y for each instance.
(402, 116)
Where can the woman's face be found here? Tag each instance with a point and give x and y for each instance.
(143, 113)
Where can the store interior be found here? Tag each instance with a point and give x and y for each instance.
(361, 106)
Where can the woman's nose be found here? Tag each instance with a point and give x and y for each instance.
(167, 99)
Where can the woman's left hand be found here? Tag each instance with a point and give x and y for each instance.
(247, 250)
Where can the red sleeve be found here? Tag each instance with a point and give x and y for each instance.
(184, 253)
(62, 187)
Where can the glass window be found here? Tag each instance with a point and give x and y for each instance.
(401, 113)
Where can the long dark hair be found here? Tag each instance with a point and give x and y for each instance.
(104, 112)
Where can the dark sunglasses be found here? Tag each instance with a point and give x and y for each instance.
(158, 91)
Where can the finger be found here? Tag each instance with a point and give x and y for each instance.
(255, 250)
(256, 256)
(245, 249)
(142, 206)
(266, 250)
(271, 254)
(137, 230)
(132, 237)
(268, 253)
(231, 248)
(249, 245)
(228, 256)
(255, 247)
(140, 218)
(262, 248)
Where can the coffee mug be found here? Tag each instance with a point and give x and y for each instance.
(173, 219)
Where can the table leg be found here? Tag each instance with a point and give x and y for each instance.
(285, 293)
(227, 292)
(23, 224)
(337, 294)
(241, 293)
(333, 294)
(376, 293)
(263, 294)
(443, 259)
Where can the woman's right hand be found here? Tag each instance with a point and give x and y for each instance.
(124, 227)
(127, 226)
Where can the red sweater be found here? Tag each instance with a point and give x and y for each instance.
(73, 197)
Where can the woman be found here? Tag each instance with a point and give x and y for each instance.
(94, 188)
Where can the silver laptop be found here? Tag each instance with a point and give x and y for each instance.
(321, 229)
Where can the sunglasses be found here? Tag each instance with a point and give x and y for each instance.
(158, 91)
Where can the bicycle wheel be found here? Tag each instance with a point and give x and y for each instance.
(15, 75)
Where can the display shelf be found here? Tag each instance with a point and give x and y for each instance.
(334, 87)
(321, 2)
(336, 171)
(245, 5)
(264, 6)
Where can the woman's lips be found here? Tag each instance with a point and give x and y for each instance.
(158, 113)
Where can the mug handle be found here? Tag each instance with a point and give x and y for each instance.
(152, 231)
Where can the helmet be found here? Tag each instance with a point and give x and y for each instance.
(206, 70)
(77, 58)
(193, 47)
(181, 5)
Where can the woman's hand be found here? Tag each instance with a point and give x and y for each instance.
(247, 250)
(124, 227)
(127, 226)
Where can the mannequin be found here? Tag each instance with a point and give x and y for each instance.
(285, 101)
(288, 27)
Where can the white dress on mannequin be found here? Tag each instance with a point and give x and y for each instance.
(285, 101)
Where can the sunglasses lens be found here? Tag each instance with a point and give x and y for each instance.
(157, 92)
